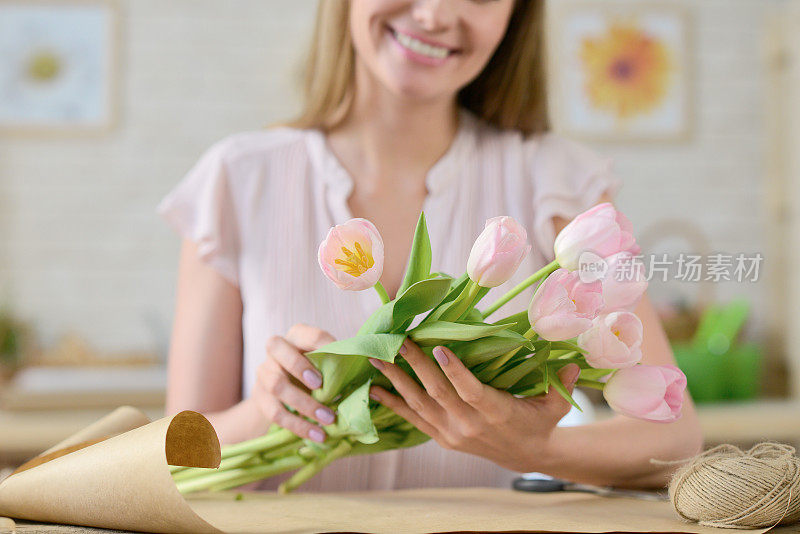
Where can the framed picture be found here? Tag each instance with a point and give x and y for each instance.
(621, 70)
(59, 65)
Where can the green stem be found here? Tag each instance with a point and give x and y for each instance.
(227, 463)
(594, 384)
(270, 440)
(315, 466)
(241, 475)
(462, 303)
(503, 358)
(516, 290)
(382, 292)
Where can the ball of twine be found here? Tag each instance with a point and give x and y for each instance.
(730, 488)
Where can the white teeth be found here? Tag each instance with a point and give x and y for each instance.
(415, 45)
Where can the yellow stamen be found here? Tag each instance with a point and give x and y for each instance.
(355, 264)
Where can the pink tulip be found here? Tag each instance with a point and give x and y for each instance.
(601, 230)
(653, 393)
(497, 252)
(351, 255)
(613, 341)
(624, 282)
(563, 306)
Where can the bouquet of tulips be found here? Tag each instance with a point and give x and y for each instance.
(574, 317)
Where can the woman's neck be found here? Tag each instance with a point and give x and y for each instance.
(387, 142)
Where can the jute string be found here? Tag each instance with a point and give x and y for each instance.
(730, 488)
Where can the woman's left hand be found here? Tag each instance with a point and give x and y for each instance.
(461, 413)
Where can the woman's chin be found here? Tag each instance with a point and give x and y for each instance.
(419, 88)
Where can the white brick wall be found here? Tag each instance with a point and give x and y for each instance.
(82, 248)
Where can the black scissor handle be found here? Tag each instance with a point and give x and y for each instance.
(538, 485)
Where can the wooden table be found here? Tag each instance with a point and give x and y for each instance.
(439, 509)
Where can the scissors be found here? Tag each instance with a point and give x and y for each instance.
(549, 485)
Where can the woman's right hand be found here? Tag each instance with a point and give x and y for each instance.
(286, 378)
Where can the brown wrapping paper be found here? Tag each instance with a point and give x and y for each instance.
(123, 482)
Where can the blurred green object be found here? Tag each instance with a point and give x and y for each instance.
(11, 338)
(717, 366)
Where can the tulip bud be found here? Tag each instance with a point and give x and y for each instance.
(498, 252)
(563, 306)
(351, 255)
(624, 282)
(653, 393)
(613, 341)
(602, 230)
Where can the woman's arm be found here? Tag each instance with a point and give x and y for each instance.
(205, 356)
(618, 450)
(205, 362)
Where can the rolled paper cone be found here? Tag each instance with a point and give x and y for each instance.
(122, 482)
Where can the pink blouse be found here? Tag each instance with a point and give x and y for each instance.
(258, 203)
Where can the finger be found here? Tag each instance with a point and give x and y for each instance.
(295, 363)
(483, 398)
(273, 410)
(415, 397)
(277, 384)
(401, 408)
(433, 380)
(306, 337)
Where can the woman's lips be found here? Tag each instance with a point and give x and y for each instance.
(420, 51)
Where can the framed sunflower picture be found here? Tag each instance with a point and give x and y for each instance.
(58, 68)
(621, 70)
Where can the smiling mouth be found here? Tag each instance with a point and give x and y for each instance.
(419, 47)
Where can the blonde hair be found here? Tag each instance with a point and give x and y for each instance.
(510, 92)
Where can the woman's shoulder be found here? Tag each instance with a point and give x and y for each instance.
(264, 144)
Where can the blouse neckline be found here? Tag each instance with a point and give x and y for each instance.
(440, 176)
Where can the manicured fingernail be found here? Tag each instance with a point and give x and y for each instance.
(312, 379)
(316, 435)
(324, 416)
(402, 350)
(377, 364)
(441, 357)
(374, 397)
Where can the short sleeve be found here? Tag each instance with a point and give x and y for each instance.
(200, 208)
(568, 178)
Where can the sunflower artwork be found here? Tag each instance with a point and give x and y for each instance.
(622, 73)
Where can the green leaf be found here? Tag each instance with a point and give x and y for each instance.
(441, 332)
(419, 298)
(555, 381)
(474, 315)
(379, 346)
(595, 374)
(354, 417)
(419, 262)
(343, 363)
(519, 371)
(480, 350)
(396, 315)
(456, 287)
(521, 319)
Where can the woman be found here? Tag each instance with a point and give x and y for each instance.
(434, 105)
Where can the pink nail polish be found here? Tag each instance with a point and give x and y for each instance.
(441, 357)
(324, 416)
(316, 435)
(312, 379)
(402, 350)
(374, 397)
(377, 364)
